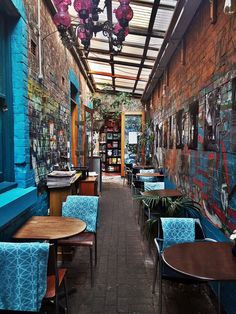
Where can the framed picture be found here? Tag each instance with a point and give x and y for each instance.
(212, 120)
(193, 125)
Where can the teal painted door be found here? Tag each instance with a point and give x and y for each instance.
(2, 90)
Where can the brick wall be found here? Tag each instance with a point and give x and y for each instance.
(205, 78)
(48, 99)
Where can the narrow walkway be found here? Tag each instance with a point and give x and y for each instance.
(124, 271)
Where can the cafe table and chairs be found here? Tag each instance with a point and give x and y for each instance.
(207, 261)
(49, 228)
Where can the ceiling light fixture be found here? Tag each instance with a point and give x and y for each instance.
(89, 25)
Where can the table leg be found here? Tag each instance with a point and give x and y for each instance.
(219, 296)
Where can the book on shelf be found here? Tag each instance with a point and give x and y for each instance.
(109, 152)
(115, 144)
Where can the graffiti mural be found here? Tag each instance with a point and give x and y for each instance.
(204, 163)
(49, 132)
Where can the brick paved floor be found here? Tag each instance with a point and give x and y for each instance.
(124, 271)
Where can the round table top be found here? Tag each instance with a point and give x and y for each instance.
(202, 260)
(163, 193)
(149, 174)
(50, 228)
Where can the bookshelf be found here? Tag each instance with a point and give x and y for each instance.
(110, 146)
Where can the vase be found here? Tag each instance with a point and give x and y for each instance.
(234, 250)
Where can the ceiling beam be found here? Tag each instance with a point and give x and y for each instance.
(109, 18)
(127, 44)
(150, 5)
(126, 77)
(131, 64)
(140, 31)
(121, 54)
(147, 41)
(117, 92)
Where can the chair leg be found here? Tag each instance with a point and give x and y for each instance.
(91, 265)
(66, 296)
(96, 251)
(155, 275)
(219, 297)
(160, 288)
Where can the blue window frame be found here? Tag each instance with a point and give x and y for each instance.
(6, 113)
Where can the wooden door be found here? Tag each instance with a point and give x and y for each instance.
(74, 133)
(124, 139)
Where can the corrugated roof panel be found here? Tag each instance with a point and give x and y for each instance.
(155, 42)
(162, 19)
(141, 16)
(125, 59)
(99, 45)
(101, 78)
(135, 39)
(141, 85)
(128, 49)
(127, 83)
(122, 89)
(123, 70)
(152, 53)
(99, 66)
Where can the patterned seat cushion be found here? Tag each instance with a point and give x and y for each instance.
(84, 208)
(177, 230)
(147, 179)
(148, 186)
(23, 273)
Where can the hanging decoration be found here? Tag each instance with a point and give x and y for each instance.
(89, 25)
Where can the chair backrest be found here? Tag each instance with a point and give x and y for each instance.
(147, 179)
(148, 186)
(82, 207)
(169, 184)
(176, 230)
(23, 273)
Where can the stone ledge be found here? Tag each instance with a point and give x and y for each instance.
(14, 202)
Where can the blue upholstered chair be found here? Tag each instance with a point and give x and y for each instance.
(172, 231)
(23, 273)
(147, 179)
(85, 208)
(29, 276)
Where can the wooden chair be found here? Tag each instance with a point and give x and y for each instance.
(86, 209)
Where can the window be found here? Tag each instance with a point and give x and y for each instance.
(6, 115)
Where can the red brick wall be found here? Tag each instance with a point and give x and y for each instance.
(210, 63)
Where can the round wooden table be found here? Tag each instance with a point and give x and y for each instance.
(163, 193)
(211, 261)
(202, 260)
(49, 228)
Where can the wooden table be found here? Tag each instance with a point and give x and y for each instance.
(163, 193)
(58, 194)
(149, 174)
(211, 261)
(49, 228)
(89, 186)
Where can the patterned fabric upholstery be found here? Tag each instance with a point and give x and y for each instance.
(23, 273)
(177, 230)
(147, 179)
(154, 186)
(84, 208)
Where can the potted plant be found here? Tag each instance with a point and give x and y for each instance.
(172, 207)
(107, 106)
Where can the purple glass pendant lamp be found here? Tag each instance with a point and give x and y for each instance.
(89, 25)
